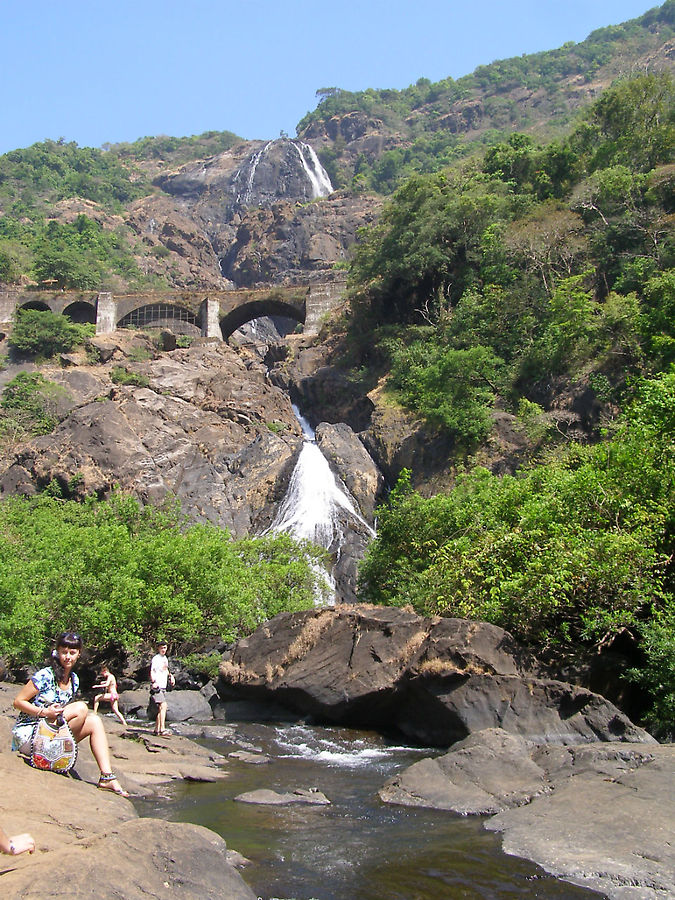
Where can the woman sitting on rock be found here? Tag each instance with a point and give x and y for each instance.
(49, 694)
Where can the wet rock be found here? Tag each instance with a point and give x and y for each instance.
(311, 797)
(608, 824)
(254, 759)
(486, 773)
(352, 463)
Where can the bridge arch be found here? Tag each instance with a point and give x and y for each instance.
(81, 312)
(38, 305)
(256, 309)
(179, 319)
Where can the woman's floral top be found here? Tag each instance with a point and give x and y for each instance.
(49, 692)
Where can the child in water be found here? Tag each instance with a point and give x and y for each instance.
(110, 693)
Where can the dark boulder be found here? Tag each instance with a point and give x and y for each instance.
(437, 680)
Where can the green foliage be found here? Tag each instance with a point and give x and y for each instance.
(659, 318)
(43, 333)
(545, 260)
(29, 406)
(121, 573)
(206, 665)
(122, 375)
(574, 550)
(277, 427)
(452, 389)
(82, 255)
(422, 253)
(632, 123)
(657, 676)
(56, 170)
(174, 150)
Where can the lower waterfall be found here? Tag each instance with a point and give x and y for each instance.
(317, 507)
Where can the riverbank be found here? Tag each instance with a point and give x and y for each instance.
(599, 815)
(87, 838)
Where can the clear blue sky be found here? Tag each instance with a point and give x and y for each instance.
(95, 72)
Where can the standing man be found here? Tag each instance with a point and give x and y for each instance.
(159, 677)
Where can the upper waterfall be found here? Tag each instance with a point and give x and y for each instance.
(321, 186)
(282, 169)
(245, 196)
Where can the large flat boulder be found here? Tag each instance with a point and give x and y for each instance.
(601, 815)
(92, 843)
(437, 680)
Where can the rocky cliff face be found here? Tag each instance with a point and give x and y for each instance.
(257, 213)
(209, 427)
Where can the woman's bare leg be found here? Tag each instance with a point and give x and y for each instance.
(83, 725)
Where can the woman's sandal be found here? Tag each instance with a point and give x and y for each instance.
(108, 782)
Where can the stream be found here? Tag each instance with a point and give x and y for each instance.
(358, 848)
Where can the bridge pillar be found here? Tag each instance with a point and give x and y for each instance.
(7, 308)
(321, 300)
(106, 313)
(209, 315)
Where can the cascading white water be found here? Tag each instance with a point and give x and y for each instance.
(245, 197)
(316, 507)
(316, 174)
(321, 185)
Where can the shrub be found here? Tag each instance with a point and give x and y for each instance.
(29, 405)
(122, 573)
(121, 375)
(44, 333)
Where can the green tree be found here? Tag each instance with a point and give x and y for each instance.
(43, 333)
(119, 573)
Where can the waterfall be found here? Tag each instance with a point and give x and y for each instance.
(244, 178)
(321, 186)
(316, 506)
(252, 164)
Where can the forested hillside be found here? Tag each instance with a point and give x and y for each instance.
(537, 281)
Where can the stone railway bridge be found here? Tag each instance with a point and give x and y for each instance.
(212, 314)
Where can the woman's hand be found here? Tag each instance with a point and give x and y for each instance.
(52, 712)
(16, 844)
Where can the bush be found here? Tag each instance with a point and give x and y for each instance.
(121, 573)
(121, 375)
(29, 404)
(43, 333)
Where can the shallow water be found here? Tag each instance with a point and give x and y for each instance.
(358, 848)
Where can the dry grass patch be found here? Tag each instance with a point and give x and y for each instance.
(272, 672)
(438, 666)
(234, 672)
(411, 647)
(308, 637)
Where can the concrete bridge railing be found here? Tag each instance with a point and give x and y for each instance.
(213, 314)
